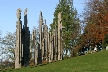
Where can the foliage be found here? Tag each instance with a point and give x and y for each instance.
(8, 46)
(95, 17)
(106, 40)
(69, 20)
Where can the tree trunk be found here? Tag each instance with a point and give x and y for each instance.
(76, 49)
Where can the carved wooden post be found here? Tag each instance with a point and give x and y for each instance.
(46, 44)
(43, 42)
(46, 40)
(26, 41)
(50, 47)
(40, 37)
(60, 39)
(56, 43)
(59, 46)
(18, 52)
(35, 47)
(43, 47)
(22, 51)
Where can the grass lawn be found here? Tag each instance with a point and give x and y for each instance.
(96, 62)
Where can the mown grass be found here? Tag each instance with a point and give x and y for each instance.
(96, 62)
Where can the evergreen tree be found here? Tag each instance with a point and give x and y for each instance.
(69, 21)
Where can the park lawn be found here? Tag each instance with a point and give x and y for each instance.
(96, 62)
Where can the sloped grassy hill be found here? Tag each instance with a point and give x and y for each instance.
(96, 62)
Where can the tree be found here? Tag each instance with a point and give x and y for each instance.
(8, 43)
(69, 21)
(95, 17)
(0, 47)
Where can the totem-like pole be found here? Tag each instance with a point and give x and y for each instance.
(50, 47)
(26, 41)
(60, 39)
(40, 55)
(46, 41)
(54, 44)
(22, 51)
(35, 47)
(18, 48)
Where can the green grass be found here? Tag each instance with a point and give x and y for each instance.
(96, 62)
